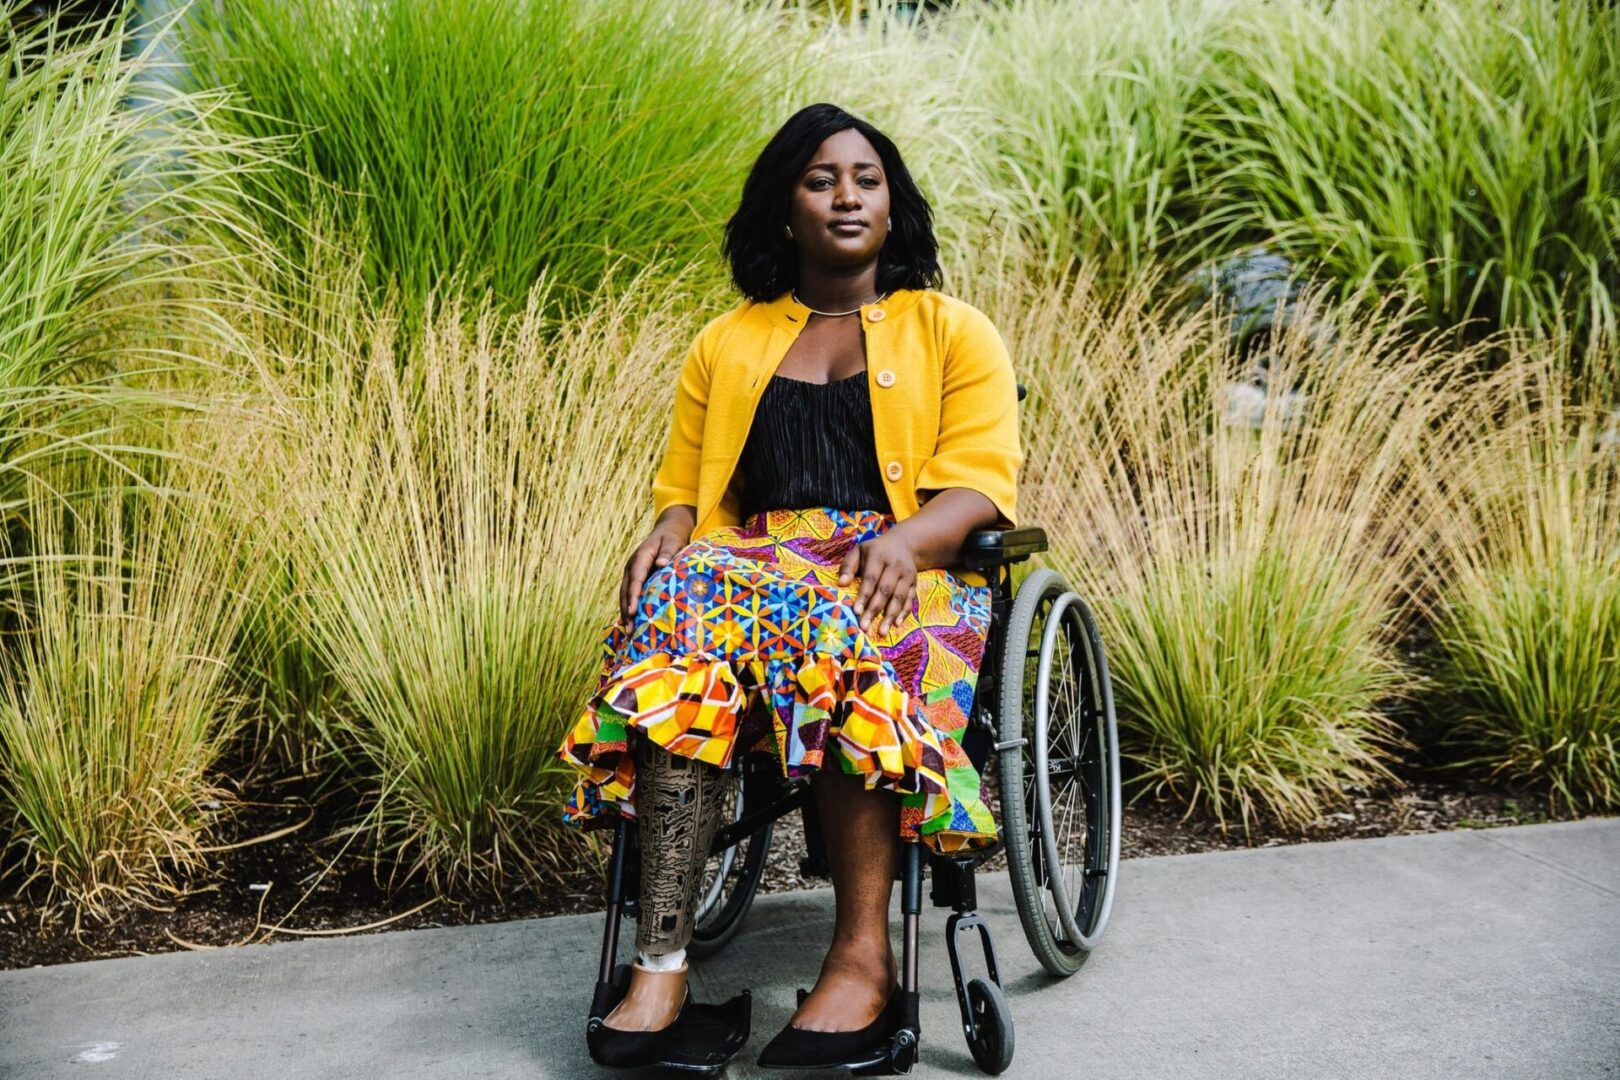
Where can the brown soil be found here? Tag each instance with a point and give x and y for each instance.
(255, 888)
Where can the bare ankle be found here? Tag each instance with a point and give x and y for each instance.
(864, 956)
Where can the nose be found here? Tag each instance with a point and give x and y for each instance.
(847, 195)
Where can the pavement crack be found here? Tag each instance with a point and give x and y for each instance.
(1564, 870)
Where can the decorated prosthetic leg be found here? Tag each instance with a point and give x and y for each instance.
(681, 803)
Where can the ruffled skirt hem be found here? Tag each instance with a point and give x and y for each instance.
(851, 709)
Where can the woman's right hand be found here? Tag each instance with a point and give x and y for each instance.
(666, 538)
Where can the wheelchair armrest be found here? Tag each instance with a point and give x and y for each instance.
(985, 549)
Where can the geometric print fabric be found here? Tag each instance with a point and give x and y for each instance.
(746, 643)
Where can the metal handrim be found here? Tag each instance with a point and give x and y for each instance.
(1110, 732)
(1080, 723)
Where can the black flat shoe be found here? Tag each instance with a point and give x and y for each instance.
(701, 1038)
(800, 1048)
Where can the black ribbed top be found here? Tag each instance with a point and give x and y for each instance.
(811, 444)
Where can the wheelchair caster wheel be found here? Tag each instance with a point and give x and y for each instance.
(991, 1037)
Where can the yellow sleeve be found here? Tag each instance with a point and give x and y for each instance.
(676, 481)
(978, 444)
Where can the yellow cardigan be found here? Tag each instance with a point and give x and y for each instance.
(944, 403)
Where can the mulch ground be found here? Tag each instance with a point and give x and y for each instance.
(292, 887)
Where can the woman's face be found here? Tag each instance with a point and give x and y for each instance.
(840, 207)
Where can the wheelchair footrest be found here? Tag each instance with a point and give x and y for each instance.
(903, 1045)
(705, 1038)
(902, 1056)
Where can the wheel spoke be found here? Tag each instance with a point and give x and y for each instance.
(1065, 837)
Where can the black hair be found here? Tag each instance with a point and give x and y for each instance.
(764, 262)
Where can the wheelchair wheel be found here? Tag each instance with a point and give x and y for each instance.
(1058, 772)
(731, 878)
(991, 1038)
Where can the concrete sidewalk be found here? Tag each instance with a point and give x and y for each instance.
(1469, 954)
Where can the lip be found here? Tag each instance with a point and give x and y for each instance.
(846, 225)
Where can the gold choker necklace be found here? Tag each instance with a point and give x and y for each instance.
(833, 314)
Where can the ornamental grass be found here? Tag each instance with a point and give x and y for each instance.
(1524, 581)
(123, 599)
(354, 499)
(457, 499)
(488, 140)
(1467, 151)
(1246, 546)
(123, 225)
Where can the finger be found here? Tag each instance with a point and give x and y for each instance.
(632, 590)
(638, 574)
(888, 585)
(881, 593)
(636, 580)
(849, 564)
(866, 573)
(667, 549)
(868, 599)
(896, 609)
(624, 589)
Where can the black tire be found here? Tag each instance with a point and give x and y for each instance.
(731, 878)
(1063, 876)
(991, 1038)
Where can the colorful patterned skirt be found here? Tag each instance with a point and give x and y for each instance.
(745, 642)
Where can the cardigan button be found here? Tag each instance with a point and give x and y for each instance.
(885, 377)
(875, 315)
(893, 470)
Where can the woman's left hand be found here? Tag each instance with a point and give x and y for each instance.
(887, 567)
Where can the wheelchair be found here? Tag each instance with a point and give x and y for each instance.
(1043, 737)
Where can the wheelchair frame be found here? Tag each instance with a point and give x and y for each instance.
(986, 1017)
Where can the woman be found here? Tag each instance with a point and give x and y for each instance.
(835, 438)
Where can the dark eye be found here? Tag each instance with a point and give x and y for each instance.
(873, 179)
